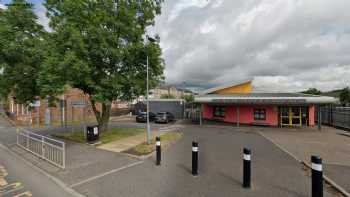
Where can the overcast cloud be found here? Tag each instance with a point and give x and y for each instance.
(2, 6)
(285, 45)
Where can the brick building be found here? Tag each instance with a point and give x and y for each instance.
(73, 107)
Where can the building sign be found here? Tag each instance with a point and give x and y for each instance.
(78, 103)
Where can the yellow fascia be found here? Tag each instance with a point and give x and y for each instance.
(242, 88)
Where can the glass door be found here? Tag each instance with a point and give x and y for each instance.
(296, 116)
(284, 111)
(291, 116)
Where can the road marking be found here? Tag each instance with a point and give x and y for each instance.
(56, 180)
(11, 188)
(3, 172)
(25, 194)
(105, 174)
(3, 182)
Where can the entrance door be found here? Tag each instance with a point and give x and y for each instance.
(284, 112)
(291, 116)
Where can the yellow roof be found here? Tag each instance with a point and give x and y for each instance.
(243, 87)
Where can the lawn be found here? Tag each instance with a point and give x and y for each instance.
(165, 138)
(110, 135)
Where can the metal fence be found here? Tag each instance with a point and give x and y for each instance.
(335, 116)
(49, 149)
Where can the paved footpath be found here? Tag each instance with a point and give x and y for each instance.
(22, 178)
(220, 170)
(333, 145)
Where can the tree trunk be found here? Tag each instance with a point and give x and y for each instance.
(102, 117)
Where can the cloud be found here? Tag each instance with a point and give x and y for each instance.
(2, 6)
(40, 11)
(184, 4)
(287, 45)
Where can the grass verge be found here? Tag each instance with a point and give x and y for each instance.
(110, 135)
(145, 149)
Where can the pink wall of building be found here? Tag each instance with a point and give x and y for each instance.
(246, 114)
(312, 115)
(207, 111)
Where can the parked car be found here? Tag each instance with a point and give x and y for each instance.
(164, 117)
(142, 117)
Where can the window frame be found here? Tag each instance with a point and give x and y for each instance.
(222, 111)
(259, 114)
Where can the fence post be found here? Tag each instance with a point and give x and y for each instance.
(64, 155)
(319, 117)
(42, 147)
(27, 136)
(17, 136)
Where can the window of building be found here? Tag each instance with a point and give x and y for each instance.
(219, 111)
(259, 114)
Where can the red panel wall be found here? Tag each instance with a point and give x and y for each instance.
(230, 114)
(246, 114)
(207, 111)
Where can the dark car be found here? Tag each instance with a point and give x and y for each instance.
(142, 117)
(164, 117)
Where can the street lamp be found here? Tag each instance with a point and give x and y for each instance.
(149, 39)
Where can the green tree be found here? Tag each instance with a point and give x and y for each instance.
(167, 96)
(312, 91)
(21, 51)
(100, 48)
(344, 96)
(188, 98)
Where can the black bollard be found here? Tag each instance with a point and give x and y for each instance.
(246, 168)
(316, 176)
(194, 158)
(158, 150)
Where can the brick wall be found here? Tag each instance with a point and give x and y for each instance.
(26, 115)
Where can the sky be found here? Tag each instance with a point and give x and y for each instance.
(284, 45)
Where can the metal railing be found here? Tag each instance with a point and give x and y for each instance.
(335, 116)
(49, 149)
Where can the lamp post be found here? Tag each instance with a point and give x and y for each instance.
(149, 39)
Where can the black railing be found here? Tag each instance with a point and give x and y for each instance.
(335, 116)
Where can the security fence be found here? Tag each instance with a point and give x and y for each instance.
(46, 148)
(335, 116)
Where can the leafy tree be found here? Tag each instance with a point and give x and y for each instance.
(100, 48)
(344, 96)
(21, 51)
(312, 91)
(167, 96)
(188, 98)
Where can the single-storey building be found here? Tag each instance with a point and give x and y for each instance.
(239, 104)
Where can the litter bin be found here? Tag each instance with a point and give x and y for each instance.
(92, 133)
